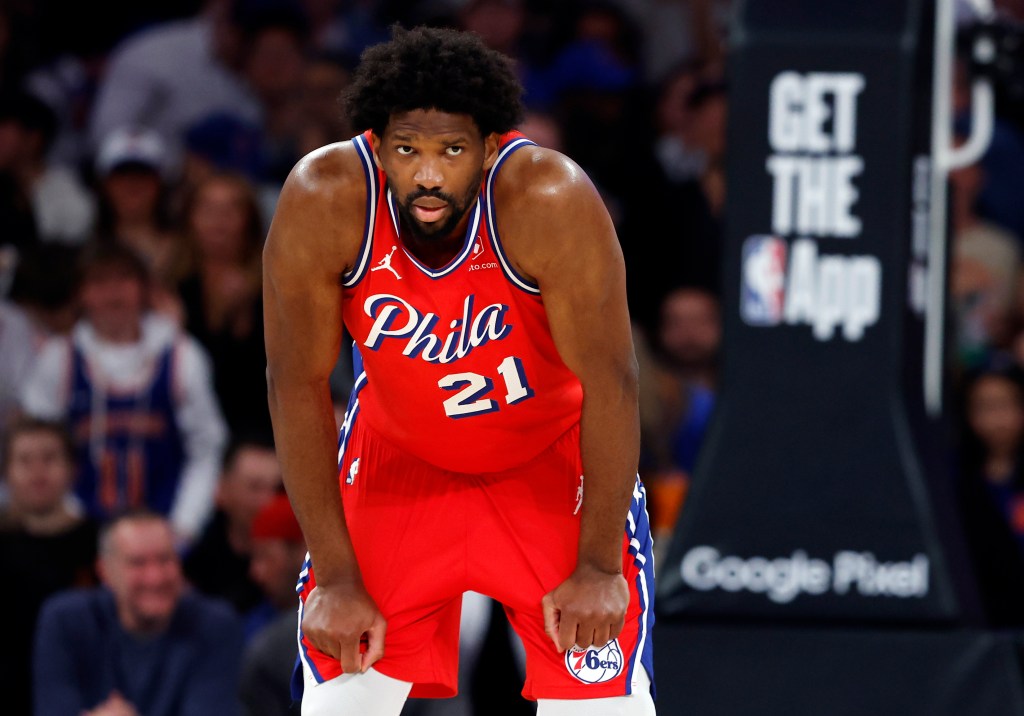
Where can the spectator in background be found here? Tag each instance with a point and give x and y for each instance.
(278, 551)
(991, 488)
(223, 304)
(499, 23)
(1003, 162)
(323, 81)
(543, 129)
(684, 160)
(19, 227)
(705, 132)
(679, 162)
(130, 168)
(593, 85)
(63, 209)
(343, 27)
(221, 142)
(68, 82)
(43, 287)
(985, 273)
(275, 34)
(691, 336)
(138, 397)
(169, 76)
(677, 31)
(19, 345)
(218, 564)
(45, 546)
(687, 354)
(140, 644)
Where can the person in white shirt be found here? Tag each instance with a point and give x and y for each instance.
(62, 207)
(137, 395)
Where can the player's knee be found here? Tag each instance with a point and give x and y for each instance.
(634, 705)
(369, 694)
(639, 703)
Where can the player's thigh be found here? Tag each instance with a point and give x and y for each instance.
(367, 694)
(600, 671)
(524, 539)
(402, 516)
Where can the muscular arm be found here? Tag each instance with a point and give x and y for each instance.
(563, 238)
(313, 240)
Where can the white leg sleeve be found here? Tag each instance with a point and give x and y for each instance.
(639, 703)
(369, 694)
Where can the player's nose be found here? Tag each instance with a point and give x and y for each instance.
(429, 174)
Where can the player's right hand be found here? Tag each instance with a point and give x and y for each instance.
(339, 619)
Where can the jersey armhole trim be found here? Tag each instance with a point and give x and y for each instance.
(492, 225)
(350, 279)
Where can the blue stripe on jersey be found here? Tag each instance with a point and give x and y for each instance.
(365, 153)
(492, 225)
(304, 655)
(304, 574)
(297, 681)
(467, 244)
(296, 685)
(352, 409)
(641, 545)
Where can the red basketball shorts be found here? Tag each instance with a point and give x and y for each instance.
(423, 536)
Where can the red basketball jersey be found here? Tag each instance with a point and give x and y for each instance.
(460, 367)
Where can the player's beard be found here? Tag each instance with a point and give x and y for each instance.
(443, 229)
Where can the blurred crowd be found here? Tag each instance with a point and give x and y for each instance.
(140, 163)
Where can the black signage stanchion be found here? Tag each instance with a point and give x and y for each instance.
(820, 527)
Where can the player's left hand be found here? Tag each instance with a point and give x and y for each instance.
(588, 608)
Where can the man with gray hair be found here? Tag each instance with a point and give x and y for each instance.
(140, 644)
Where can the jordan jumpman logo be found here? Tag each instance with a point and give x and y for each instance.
(385, 263)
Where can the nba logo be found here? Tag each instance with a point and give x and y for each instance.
(764, 280)
(595, 665)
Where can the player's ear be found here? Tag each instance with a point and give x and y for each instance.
(491, 142)
(375, 146)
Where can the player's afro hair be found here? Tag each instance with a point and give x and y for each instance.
(432, 68)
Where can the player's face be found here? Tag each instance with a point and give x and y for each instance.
(142, 569)
(434, 162)
(39, 472)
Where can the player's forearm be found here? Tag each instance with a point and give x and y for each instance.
(610, 447)
(304, 435)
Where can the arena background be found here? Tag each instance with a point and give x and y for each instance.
(823, 276)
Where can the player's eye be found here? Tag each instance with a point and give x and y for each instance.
(453, 151)
(404, 149)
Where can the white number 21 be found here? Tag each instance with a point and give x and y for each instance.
(473, 386)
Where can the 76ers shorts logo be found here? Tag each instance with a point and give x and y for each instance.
(595, 665)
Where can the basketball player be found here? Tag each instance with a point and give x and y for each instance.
(482, 281)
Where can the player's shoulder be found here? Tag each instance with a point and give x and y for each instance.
(327, 174)
(539, 177)
(541, 193)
